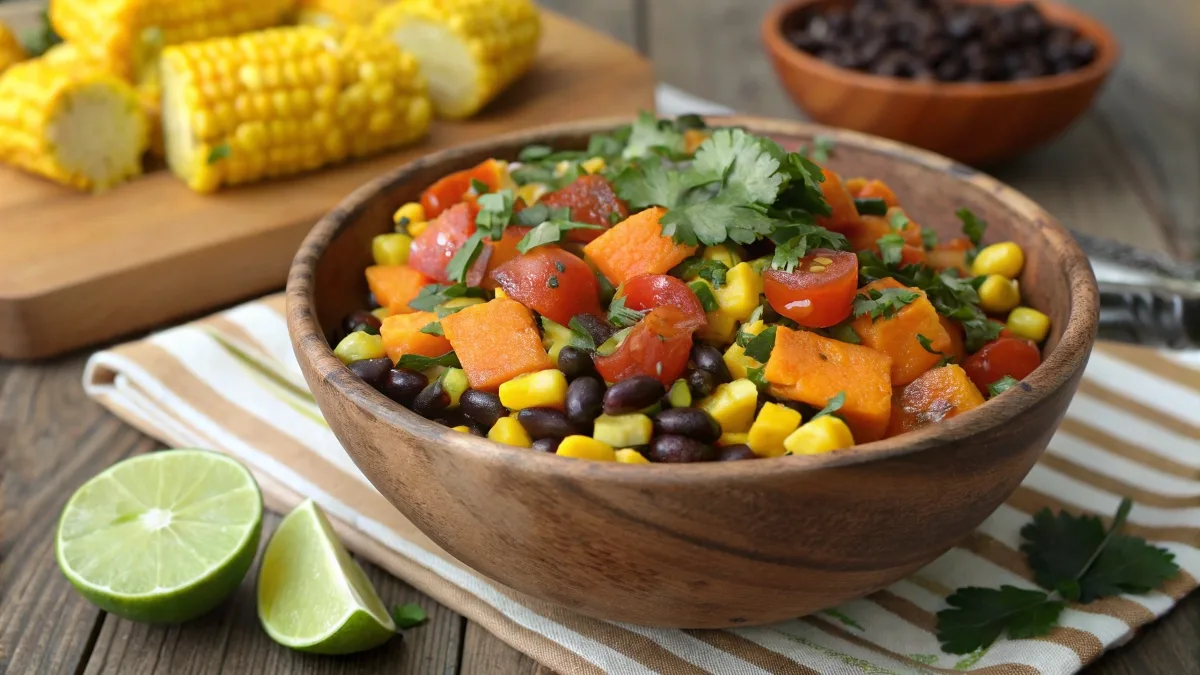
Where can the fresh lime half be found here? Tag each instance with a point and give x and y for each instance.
(312, 596)
(162, 537)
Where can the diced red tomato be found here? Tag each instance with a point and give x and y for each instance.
(657, 346)
(1010, 356)
(552, 282)
(433, 249)
(819, 293)
(647, 291)
(451, 189)
(592, 200)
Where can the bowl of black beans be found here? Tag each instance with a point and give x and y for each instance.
(976, 81)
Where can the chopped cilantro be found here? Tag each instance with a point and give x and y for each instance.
(883, 303)
(927, 345)
(621, 316)
(760, 346)
(418, 362)
(898, 220)
(479, 187)
(841, 332)
(833, 405)
(758, 376)
(614, 218)
(712, 270)
(891, 246)
(972, 226)
(793, 242)
(465, 256)
(822, 149)
(218, 153)
(871, 206)
(429, 297)
(581, 338)
(1002, 385)
(408, 616)
(535, 153)
(650, 135)
(550, 232)
(705, 295)
(495, 212)
(929, 239)
(432, 328)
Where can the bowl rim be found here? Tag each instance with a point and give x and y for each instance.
(1062, 366)
(1107, 54)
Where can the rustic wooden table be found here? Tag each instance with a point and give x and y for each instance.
(1129, 171)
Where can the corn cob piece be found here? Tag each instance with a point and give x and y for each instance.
(11, 50)
(129, 34)
(286, 100)
(325, 13)
(73, 124)
(469, 50)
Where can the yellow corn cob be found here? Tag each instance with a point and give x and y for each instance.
(128, 34)
(74, 124)
(338, 12)
(286, 100)
(11, 50)
(470, 50)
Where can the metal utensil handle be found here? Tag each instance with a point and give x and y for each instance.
(1149, 316)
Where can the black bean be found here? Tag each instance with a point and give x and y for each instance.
(547, 444)
(372, 371)
(674, 449)
(482, 407)
(691, 422)
(432, 401)
(585, 401)
(545, 423)
(729, 453)
(575, 363)
(709, 358)
(632, 395)
(701, 382)
(598, 328)
(403, 385)
(452, 418)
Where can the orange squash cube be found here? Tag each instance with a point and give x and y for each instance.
(495, 342)
(402, 335)
(394, 286)
(636, 246)
(897, 336)
(937, 395)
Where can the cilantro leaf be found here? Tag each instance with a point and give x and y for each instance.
(408, 616)
(822, 149)
(898, 220)
(871, 206)
(793, 242)
(891, 246)
(429, 297)
(705, 295)
(418, 362)
(712, 270)
(621, 316)
(760, 346)
(535, 215)
(972, 226)
(979, 616)
(1002, 385)
(927, 345)
(1127, 565)
(716, 220)
(1059, 547)
(479, 187)
(652, 183)
(432, 328)
(841, 332)
(580, 337)
(929, 239)
(550, 232)
(746, 168)
(495, 212)
(883, 303)
(465, 256)
(534, 153)
(758, 376)
(649, 134)
(804, 178)
(833, 405)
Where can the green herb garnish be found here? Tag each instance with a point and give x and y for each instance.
(621, 316)
(705, 295)
(712, 270)
(429, 297)
(871, 206)
(218, 153)
(760, 346)
(1002, 385)
(432, 328)
(972, 226)
(550, 232)
(833, 405)
(883, 303)
(479, 187)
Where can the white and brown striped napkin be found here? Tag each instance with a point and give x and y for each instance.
(230, 383)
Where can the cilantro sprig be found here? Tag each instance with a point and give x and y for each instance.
(621, 316)
(1002, 385)
(760, 346)
(713, 271)
(429, 297)
(833, 405)
(1074, 559)
(883, 303)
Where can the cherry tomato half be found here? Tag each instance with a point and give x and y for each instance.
(819, 293)
(451, 189)
(432, 250)
(552, 282)
(647, 291)
(1010, 356)
(592, 200)
(657, 346)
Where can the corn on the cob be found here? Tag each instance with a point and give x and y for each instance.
(77, 125)
(286, 100)
(338, 12)
(470, 50)
(11, 50)
(129, 34)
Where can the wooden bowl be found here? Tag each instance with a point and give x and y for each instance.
(700, 545)
(977, 123)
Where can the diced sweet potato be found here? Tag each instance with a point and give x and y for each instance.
(897, 336)
(937, 395)
(958, 348)
(495, 342)
(950, 255)
(877, 189)
(402, 335)
(866, 235)
(845, 216)
(394, 286)
(636, 246)
(813, 369)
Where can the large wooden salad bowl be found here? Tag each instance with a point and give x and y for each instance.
(712, 544)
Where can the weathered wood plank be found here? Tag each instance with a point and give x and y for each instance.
(486, 654)
(230, 639)
(615, 17)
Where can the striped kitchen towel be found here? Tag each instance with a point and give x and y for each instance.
(230, 382)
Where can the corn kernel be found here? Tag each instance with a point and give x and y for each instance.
(721, 328)
(381, 313)
(359, 346)
(823, 434)
(531, 192)
(732, 405)
(415, 229)
(733, 438)
(623, 430)
(583, 447)
(723, 254)
(998, 294)
(1005, 259)
(509, 431)
(500, 293)
(391, 249)
(631, 456)
(594, 165)
(735, 357)
(1028, 323)
(739, 297)
(771, 428)
(462, 429)
(543, 389)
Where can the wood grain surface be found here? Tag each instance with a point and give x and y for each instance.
(78, 268)
(1128, 171)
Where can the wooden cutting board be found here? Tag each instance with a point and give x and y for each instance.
(78, 269)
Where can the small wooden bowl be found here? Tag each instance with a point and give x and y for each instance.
(977, 123)
(700, 545)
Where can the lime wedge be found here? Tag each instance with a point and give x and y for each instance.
(312, 596)
(162, 537)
